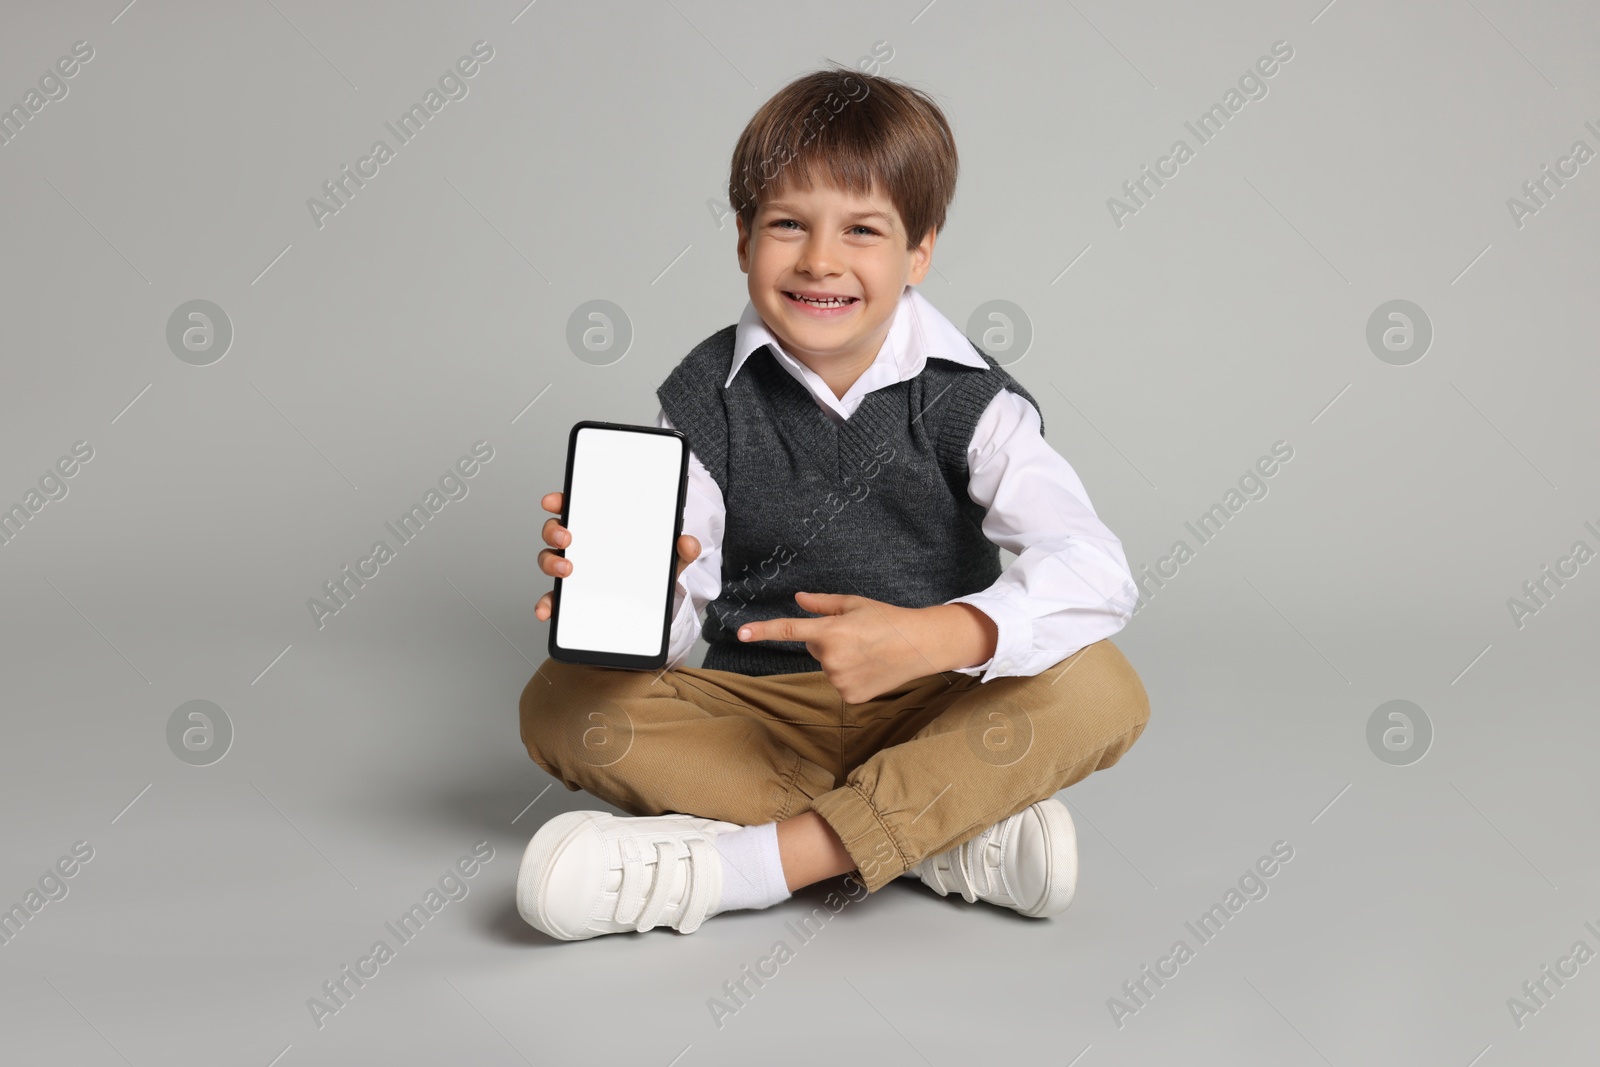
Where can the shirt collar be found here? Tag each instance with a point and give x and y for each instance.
(918, 331)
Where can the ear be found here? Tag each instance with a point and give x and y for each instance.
(922, 258)
(743, 247)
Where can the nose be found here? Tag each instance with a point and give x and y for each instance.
(818, 256)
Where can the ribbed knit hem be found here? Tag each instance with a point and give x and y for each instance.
(756, 659)
(868, 840)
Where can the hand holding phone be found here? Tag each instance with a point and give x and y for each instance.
(558, 537)
(621, 520)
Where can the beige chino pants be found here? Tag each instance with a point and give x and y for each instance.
(919, 769)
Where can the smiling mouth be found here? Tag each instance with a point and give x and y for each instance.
(829, 302)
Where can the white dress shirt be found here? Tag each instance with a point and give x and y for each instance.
(1069, 585)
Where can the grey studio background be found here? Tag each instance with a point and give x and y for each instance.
(1442, 859)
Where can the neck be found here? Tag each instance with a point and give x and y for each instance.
(840, 376)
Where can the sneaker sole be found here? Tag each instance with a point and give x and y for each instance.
(532, 875)
(1062, 877)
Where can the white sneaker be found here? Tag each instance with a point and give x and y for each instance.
(1028, 862)
(587, 873)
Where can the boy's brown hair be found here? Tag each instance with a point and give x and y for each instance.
(852, 130)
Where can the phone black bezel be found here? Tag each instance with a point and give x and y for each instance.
(596, 657)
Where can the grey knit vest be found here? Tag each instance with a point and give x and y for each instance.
(876, 506)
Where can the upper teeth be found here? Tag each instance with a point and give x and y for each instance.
(832, 301)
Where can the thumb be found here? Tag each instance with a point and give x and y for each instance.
(823, 603)
(687, 555)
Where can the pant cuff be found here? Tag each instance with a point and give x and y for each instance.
(879, 858)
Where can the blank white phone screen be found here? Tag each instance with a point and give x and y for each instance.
(623, 508)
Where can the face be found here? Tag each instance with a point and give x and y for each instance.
(823, 242)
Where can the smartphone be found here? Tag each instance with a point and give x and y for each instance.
(622, 501)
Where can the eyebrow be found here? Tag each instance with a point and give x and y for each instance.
(779, 205)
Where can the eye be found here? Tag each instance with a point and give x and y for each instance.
(869, 229)
(780, 222)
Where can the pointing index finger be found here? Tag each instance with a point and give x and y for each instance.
(781, 630)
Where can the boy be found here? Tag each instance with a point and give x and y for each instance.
(918, 714)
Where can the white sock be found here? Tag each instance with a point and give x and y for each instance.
(752, 871)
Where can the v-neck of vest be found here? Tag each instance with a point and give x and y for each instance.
(834, 445)
(815, 415)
